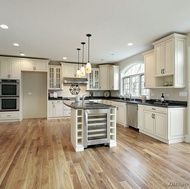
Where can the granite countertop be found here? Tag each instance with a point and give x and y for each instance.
(87, 105)
(152, 102)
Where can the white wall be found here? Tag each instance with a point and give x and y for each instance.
(34, 88)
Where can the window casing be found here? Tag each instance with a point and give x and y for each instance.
(133, 81)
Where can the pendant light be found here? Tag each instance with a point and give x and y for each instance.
(82, 70)
(78, 71)
(88, 65)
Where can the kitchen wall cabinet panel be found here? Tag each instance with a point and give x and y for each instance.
(170, 61)
(109, 77)
(114, 78)
(149, 73)
(10, 68)
(34, 65)
(93, 79)
(55, 77)
(69, 70)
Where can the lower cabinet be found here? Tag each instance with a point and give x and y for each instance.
(9, 116)
(55, 108)
(121, 111)
(164, 124)
(121, 114)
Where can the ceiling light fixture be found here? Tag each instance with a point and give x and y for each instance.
(4, 26)
(22, 54)
(64, 58)
(130, 44)
(88, 65)
(78, 71)
(82, 68)
(16, 44)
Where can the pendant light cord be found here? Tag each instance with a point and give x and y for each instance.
(83, 43)
(78, 49)
(88, 35)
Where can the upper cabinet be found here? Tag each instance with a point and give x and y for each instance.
(149, 73)
(54, 77)
(170, 61)
(93, 79)
(114, 78)
(9, 68)
(34, 65)
(109, 77)
(69, 70)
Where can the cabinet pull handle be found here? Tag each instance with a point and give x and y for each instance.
(153, 108)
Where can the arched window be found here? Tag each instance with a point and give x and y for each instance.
(133, 81)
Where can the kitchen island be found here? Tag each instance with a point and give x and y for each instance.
(92, 124)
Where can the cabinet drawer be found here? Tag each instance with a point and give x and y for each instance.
(155, 109)
(14, 115)
(67, 113)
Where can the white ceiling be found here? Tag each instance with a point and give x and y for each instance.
(55, 28)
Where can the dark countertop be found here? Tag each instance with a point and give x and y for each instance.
(152, 102)
(87, 105)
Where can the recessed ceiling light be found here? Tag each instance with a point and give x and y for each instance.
(130, 44)
(64, 58)
(16, 44)
(4, 26)
(22, 54)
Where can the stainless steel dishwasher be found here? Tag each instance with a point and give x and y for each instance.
(132, 115)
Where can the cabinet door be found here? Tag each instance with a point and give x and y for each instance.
(93, 79)
(58, 111)
(69, 70)
(140, 117)
(15, 68)
(160, 125)
(104, 77)
(50, 108)
(149, 69)
(159, 58)
(148, 122)
(4, 68)
(27, 64)
(9, 68)
(169, 57)
(114, 77)
(54, 77)
(40, 65)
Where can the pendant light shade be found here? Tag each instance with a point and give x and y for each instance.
(82, 68)
(78, 71)
(88, 65)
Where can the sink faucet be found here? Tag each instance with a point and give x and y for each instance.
(83, 97)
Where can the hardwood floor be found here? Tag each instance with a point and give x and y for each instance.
(37, 153)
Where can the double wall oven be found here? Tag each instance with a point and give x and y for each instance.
(9, 95)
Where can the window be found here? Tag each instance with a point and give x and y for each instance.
(133, 81)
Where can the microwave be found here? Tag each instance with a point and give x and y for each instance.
(9, 87)
(9, 103)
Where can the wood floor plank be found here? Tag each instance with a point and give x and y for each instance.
(38, 154)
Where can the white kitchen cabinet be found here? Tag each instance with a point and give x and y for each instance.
(121, 114)
(114, 77)
(104, 77)
(34, 65)
(93, 79)
(9, 68)
(10, 116)
(54, 77)
(66, 111)
(164, 124)
(109, 77)
(170, 61)
(69, 70)
(140, 117)
(149, 73)
(55, 109)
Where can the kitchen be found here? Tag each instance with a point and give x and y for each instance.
(41, 73)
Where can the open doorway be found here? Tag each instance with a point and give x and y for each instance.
(34, 94)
